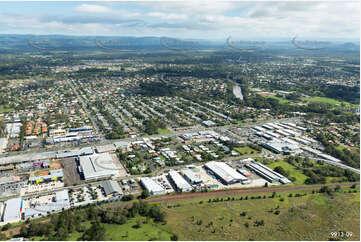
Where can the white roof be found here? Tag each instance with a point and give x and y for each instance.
(226, 172)
(12, 209)
(97, 166)
(179, 181)
(191, 175)
(151, 185)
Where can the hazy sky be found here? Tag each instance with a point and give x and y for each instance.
(208, 20)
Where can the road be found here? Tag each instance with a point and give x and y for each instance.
(80, 98)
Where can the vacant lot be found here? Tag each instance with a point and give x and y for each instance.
(308, 217)
(300, 177)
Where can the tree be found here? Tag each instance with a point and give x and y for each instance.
(95, 233)
(145, 194)
(174, 237)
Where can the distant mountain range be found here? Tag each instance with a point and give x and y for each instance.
(9, 43)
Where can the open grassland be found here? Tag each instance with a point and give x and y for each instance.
(300, 177)
(308, 217)
(4, 109)
(328, 101)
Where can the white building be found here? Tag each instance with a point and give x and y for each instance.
(152, 186)
(97, 166)
(181, 184)
(226, 173)
(12, 210)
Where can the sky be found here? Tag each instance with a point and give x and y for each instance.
(213, 20)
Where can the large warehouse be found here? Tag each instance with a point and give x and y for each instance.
(181, 184)
(12, 211)
(97, 166)
(226, 173)
(191, 177)
(152, 187)
(267, 173)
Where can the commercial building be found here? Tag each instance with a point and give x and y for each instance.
(181, 184)
(112, 188)
(61, 201)
(191, 177)
(279, 146)
(267, 173)
(152, 186)
(53, 175)
(267, 127)
(12, 211)
(259, 129)
(97, 166)
(227, 174)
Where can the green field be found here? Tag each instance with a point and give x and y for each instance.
(246, 150)
(328, 101)
(280, 99)
(5, 109)
(309, 217)
(300, 177)
(163, 131)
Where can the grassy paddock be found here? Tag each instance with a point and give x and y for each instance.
(309, 217)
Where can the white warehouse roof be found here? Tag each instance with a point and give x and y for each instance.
(12, 210)
(151, 186)
(179, 181)
(97, 166)
(225, 172)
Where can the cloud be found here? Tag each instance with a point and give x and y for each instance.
(166, 16)
(193, 19)
(90, 8)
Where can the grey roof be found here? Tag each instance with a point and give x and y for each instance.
(12, 209)
(111, 187)
(179, 181)
(62, 196)
(97, 166)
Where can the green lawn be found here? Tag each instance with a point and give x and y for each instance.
(280, 99)
(300, 177)
(163, 131)
(246, 150)
(328, 101)
(5, 109)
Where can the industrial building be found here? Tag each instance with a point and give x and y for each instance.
(281, 132)
(112, 188)
(191, 177)
(13, 209)
(97, 166)
(227, 174)
(181, 184)
(259, 129)
(267, 173)
(267, 127)
(152, 186)
(280, 147)
(61, 201)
